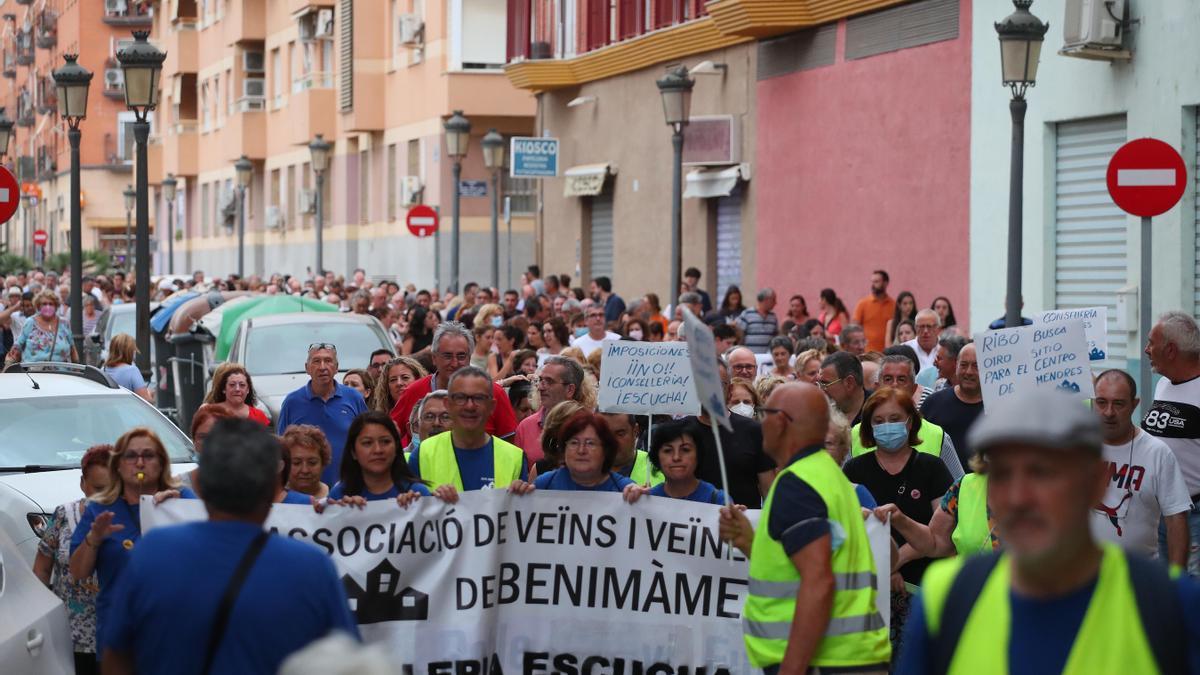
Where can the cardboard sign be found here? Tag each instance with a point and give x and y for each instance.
(705, 375)
(1016, 360)
(1095, 326)
(647, 377)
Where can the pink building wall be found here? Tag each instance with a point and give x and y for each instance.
(865, 164)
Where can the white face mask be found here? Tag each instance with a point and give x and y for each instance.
(743, 409)
(635, 334)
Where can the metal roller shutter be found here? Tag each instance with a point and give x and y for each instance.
(600, 242)
(1090, 232)
(729, 242)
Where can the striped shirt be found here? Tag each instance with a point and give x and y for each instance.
(758, 330)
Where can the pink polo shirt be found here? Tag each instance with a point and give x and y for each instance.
(529, 436)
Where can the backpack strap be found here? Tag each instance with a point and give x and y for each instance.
(225, 608)
(960, 600)
(1161, 613)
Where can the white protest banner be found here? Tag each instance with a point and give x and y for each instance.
(703, 355)
(1013, 360)
(647, 377)
(534, 584)
(1095, 326)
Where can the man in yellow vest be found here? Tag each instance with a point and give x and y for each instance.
(631, 462)
(467, 457)
(811, 599)
(897, 371)
(1054, 601)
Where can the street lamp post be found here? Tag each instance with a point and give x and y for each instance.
(319, 148)
(72, 81)
(141, 65)
(1021, 35)
(676, 90)
(493, 158)
(130, 204)
(458, 138)
(245, 171)
(168, 187)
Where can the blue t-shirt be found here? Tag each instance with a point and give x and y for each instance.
(114, 551)
(126, 376)
(293, 497)
(560, 479)
(1042, 631)
(163, 623)
(477, 467)
(337, 492)
(333, 417)
(705, 493)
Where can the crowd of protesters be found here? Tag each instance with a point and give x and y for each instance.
(498, 390)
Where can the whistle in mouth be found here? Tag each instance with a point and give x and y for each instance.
(141, 476)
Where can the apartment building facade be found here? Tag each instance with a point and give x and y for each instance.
(35, 37)
(263, 78)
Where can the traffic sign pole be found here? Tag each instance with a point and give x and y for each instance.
(1146, 177)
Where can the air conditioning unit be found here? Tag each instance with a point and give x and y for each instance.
(409, 29)
(307, 26)
(1094, 25)
(410, 190)
(275, 218)
(324, 27)
(251, 104)
(115, 7)
(114, 78)
(253, 62)
(306, 201)
(254, 87)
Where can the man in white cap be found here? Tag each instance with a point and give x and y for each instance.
(1055, 600)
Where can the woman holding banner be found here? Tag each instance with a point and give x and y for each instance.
(589, 450)
(675, 454)
(373, 467)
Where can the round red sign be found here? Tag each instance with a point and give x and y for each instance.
(10, 195)
(422, 220)
(40, 237)
(1146, 177)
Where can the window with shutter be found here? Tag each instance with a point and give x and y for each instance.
(666, 12)
(597, 23)
(631, 18)
(346, 56)
(518, 29)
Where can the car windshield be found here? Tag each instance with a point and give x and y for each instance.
(57, 431)
(274, 350)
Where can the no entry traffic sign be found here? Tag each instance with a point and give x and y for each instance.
(40, 237)
(422, 220)
(10, 195)
(1146, 177)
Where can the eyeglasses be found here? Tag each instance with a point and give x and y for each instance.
(826, 385)
(778, 411)
(589, 443)
(548, 381)
(322, 345)
(745, 368)
(926, 327)
(454, 357)
(133, 457)
(444, 418)
(477, 399)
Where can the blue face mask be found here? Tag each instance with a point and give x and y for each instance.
(497, 321)
(890, 436)
(581, 331)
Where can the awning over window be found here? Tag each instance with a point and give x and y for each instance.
(587, 180)
(711, 183)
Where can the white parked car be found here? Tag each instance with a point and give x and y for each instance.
(50, 414)
(274, 348)
(34, 636)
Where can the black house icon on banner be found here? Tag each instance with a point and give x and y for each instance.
(383, 599)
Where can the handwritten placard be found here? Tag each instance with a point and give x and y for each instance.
(647, 377)
(1015, 360)
(705, 369)
(1095, 326)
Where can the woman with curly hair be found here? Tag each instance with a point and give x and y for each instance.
(394, 378)
(233, 388)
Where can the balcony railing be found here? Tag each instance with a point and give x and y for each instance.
(535, 29)
(312, 81)
(47, 29)
(127, 13)
(24, 43)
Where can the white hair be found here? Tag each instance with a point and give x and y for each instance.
(1179, 329)
(929, 312)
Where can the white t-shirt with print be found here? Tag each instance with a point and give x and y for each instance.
(1143, 483)
(1174, 417)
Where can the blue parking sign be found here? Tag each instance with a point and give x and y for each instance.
(534, 157)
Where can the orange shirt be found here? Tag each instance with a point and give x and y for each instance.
(873, 314)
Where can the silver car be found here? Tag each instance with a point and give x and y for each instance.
(50, 414)
(34, 636)
(274, 348)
